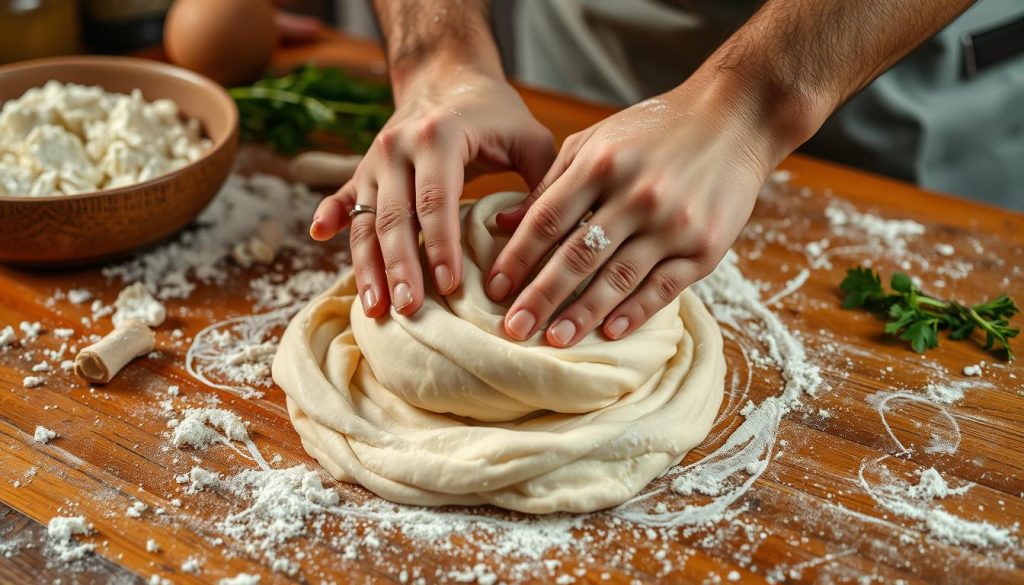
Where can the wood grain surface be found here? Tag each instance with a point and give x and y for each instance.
(807, 519)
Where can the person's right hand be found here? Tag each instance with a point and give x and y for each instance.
(450, 121)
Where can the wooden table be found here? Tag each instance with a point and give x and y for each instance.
(810, 517)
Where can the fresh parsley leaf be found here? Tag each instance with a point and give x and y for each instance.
(862, 286)
(286, 111)
(917, 318)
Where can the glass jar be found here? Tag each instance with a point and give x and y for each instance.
(120, 26)
(37, 28)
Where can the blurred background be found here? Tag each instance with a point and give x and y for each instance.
(943, 118)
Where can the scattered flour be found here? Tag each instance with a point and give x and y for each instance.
(914, 502)
(33, 381)
(44, 435)
(135, 302)
(973, 370)
(241, 579)
(7, 337)
(198, 428)
(191, 565)
(201, 254)
(78, 296)
(60, 533)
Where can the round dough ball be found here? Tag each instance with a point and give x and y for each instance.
(443, 408)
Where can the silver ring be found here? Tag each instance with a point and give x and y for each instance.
(359, 208)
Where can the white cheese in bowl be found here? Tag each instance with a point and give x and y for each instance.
(62, 139)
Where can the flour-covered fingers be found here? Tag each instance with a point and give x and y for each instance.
(439, 181)
(664, 283)
(571, 264)
(398, 233)
(331, 216)
(616, 280)
(368, 264)
(547, 222)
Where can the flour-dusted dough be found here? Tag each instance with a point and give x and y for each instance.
(442, 408)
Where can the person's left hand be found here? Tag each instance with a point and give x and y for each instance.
(670, 181)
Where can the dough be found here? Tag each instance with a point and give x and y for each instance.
(442, 408)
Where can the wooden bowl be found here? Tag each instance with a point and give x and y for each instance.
(88, 227)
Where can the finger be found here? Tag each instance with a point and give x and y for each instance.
(399, 240)
(510, 219)
(572, 263)
(368, 263)
(533, 155)
(616, 280)
(331, 216)
(296, 27)
(439, 181)
(662, 286)
(547, 222)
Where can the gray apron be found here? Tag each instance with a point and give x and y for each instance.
(949, 116)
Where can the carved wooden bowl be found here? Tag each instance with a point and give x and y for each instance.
(77, 229)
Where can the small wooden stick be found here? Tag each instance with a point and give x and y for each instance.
(101, 361)
(323, 169)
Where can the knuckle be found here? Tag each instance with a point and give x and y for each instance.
(430, 200)
(435, 247)
(683, 216)
(428, 129)
(666, 286)
(622, 276)
(395, 266)
(585, 311)
(361, 233)
(390, 218)
(512, 255)
(388, 140)
(542, 297)
(704, 245)
(545, 221)
(578, 258)
(603, 161)
(645, 199)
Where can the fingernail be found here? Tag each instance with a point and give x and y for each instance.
(402, 295)
(499, 287)
(443, 278)
(563, 331)
(369, 299)
(521, 324)
(314, 229)
(617, 327)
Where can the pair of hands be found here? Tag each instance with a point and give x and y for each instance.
(671, 181)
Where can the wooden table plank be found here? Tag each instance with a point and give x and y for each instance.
(818, 522)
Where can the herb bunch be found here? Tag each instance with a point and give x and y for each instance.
(917, 318)
(286, 111)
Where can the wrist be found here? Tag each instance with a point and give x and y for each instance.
(779, 116)
(466, 45)
(443, 66)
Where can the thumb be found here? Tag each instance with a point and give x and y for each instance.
(533, 161)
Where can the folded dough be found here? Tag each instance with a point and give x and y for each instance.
(442, 408)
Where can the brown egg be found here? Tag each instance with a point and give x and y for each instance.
(230, 41)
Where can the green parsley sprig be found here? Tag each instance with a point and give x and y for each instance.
(286, 111)
(917, 318)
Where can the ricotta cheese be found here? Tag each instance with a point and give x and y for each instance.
(62, 139)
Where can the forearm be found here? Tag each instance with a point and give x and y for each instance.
(420, 34)
(797, 61)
